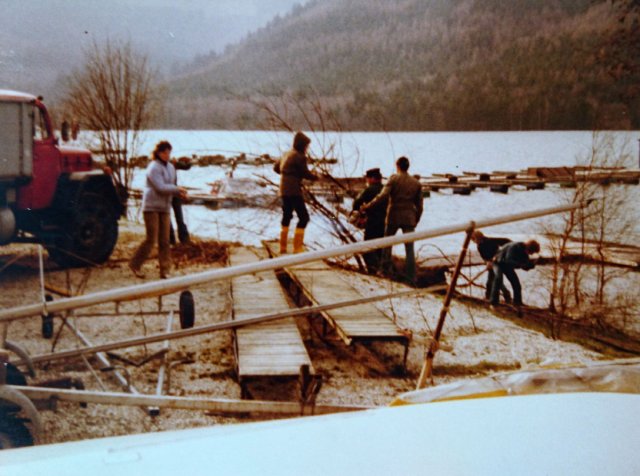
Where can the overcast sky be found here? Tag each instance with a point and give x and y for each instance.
(42, 40)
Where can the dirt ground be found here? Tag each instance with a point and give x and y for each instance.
(475, 343)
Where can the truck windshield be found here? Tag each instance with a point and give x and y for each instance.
(40, 131)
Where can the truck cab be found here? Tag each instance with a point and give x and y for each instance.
(50, 193)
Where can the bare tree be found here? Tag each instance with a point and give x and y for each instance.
(576, 286)
(115, 95)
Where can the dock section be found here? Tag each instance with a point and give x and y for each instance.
(532, 178)
(321, 285)
(272, 349)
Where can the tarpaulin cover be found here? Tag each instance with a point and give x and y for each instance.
(619, 377)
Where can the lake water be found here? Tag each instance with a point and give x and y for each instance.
(429, 153)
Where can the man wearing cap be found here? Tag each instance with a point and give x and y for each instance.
(374, 227)
(404, 210)
(292, 168)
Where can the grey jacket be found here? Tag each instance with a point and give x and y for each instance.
(160, 187)
(405, 200)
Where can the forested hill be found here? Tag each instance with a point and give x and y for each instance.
(427, 65)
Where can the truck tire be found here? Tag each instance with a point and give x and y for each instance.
(13, 432)
(91, 235)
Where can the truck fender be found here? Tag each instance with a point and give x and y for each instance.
(72, 186)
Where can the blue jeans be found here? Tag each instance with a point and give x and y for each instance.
(505, 292)
(501, 270)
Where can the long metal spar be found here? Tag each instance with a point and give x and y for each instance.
(180, 283)
(219, 326)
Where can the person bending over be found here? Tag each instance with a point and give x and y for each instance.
(512, 256)
(488, 247)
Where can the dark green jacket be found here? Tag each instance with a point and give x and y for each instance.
(375, 215)
(405, 200)
(292, 168)
(514, 255)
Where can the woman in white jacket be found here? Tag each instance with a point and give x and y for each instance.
(156, 207)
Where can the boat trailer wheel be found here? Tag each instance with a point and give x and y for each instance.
(187, 310)
(47, 321)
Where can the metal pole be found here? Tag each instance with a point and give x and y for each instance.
(104, 362)
(42, 285)
(154, 411)
(221, 326)
(168, 286)
(219, 405)
(427, 367)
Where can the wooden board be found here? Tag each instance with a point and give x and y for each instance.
(268, 349)
(323, 285)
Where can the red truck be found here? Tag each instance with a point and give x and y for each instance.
(52, 194)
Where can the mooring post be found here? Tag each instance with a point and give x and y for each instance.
(4, 331)
(42, 285)
(427, 367)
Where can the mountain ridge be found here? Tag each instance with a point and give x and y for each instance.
(419, 65)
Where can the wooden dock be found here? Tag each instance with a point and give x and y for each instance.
(272, 349)
(321, 285)
(533, 178)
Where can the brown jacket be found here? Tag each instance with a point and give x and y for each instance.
(292, 168)
(405, 200)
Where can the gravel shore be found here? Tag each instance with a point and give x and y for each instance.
(475, 343)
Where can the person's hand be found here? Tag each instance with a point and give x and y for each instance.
(182, 193)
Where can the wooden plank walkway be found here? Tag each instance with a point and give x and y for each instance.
(365, 322)
(272, 349)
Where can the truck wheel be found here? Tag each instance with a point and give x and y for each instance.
(14, 376)
(13, 432)
(91, 236)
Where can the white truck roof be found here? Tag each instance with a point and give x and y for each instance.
(16, 96)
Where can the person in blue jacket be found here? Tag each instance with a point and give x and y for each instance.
(512, 256)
